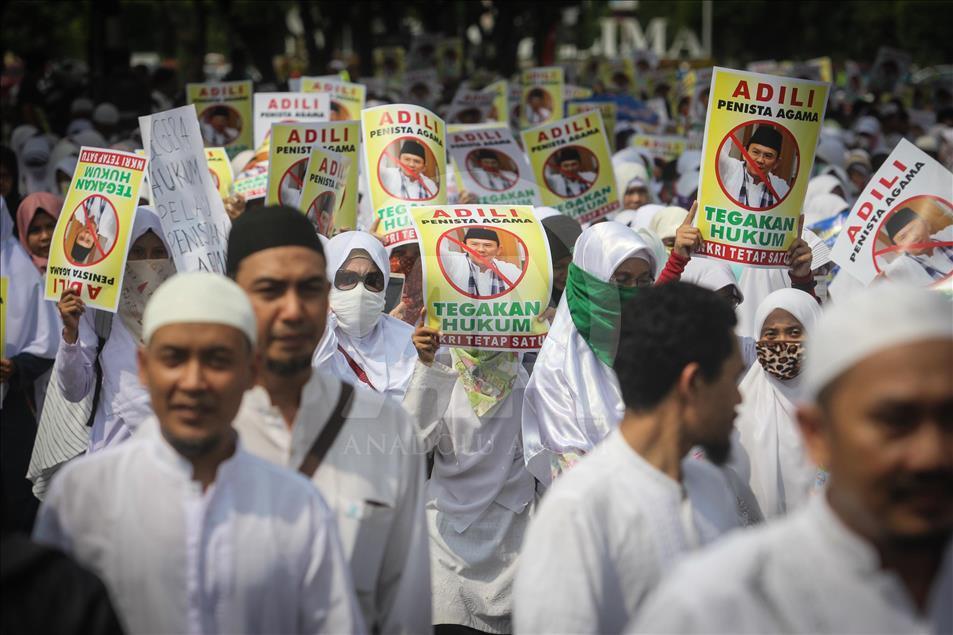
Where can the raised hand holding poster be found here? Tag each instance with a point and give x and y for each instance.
(487, 275)
(757, 155)
(91, 238)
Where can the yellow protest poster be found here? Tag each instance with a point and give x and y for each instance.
(405, 160)
(4, 285)
(757, 156)
(450, 58)
(487, 275)
(572, 164)
(91, 239)
(322, 195)
(252, 181)
(618, 75)
(389, 62)
(221, 170)
(288, 155)
(541, 99)
(225, 114)
(609, 110)
(500, 111)
(347, 98)
(571, 92)
(664, 147)
(825, 68)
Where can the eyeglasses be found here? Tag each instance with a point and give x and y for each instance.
(642, 282)
(345, 280)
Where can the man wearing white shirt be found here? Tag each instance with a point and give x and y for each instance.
(536, 111)
(918, 262)
(613, 525)
(568, 181)
(872, 554)
(371, 472)
(487, 172)
(215, 129)
(744, 180)
(407, 181)
(478, 271)
(189, 532)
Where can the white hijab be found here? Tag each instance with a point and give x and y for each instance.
(35, 172)
(823, 206)
(644, 215)
(822, 184)
(386, 354)
(782, 475)
(709, 274)
(31, 324)
(118, 358)
(572, 400)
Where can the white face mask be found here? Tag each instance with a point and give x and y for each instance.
(357, 310)
(142, 279)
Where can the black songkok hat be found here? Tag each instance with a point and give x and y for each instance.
(481, 233)
(568, 154)
(767, 136)
(898, 220)
(412, 147)
(267, 227)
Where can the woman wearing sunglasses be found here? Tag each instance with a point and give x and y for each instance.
(361, 344)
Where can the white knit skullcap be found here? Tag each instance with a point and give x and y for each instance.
(875, 319)
(201, 297)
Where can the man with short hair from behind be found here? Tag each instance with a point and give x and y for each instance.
(872, 554)
(611, 527)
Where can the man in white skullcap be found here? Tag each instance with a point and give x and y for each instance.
(872, 554)
(189, 532)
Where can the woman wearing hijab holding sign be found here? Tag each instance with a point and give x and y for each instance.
(573, 399)
(107, 365)
(361, 344)
(774, 459)
(480, 495)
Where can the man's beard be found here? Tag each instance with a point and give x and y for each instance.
(717, 453)
(195, 448)
(288, 367)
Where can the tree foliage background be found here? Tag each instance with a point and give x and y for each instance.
(743, 30)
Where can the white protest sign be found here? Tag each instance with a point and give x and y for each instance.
(470, 107)
(288, 107)
(901, 226)
(185, 198)
(492, 167)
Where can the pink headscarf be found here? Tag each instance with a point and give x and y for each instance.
(49, 203)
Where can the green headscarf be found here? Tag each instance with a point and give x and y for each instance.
(596, 310)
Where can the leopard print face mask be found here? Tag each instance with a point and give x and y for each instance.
(781, 359)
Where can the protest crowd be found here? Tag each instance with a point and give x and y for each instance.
(606, 346)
